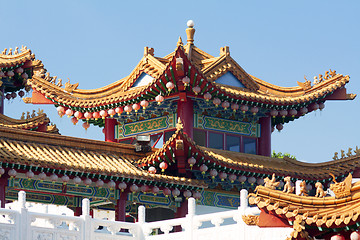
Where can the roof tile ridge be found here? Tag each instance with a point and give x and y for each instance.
(23, 54)
(201, 52)
(12, 121)
(253, 84)
(273, 86)
(213, 64)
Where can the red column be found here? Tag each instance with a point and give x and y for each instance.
(185, 112)
(120, 207)
(3, 185)
(264, 146)
(2, 100)
(110, 129)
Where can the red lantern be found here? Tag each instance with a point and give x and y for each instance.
(24, 75)
(321, 106)
(12, 173)
(225, 105)
(77, 180)
(260, 181)
(244, 108)
(96, 115)
(54, 177)
(19, 70)
(203, 168)
(283, 113)
(8, 96)
(111, 112)
(252, 180)
(2, 74)
(167, 192)
(217, 101)
(144, 188)
(196, 90)
(235, 107)
(163, 166)
(207, 96)
(196, 195)
(274, 113)
(159, 99)
(337, 237)
(69, 112)
(99, 183)
(42, 176)
(213, 173)
(155, 190)
(279, 127)
(127, 109)
(170, 86)
(122, 186)
(78, 115)
(232, 178)
(292, 112)
(111, 184)
(175, 192)
(187, 194)
(21, 93)
(29, 174)
(60, 110)
(191, 161)
(254, 110)
(88, 115)
(242, 179)
(152, 170)
(2, 171)
(87, 181)
(186, 81)
(65, 179)
(10, 74)
(134, 188)
(103, 114)
(13, 95)
(222, 176)
(136, 107)
(74, 120)
(119, 110)
(355, 235)
(144, 104)
(86, 125)
(315, 106)
(303, 110)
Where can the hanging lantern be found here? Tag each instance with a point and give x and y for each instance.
(88, 116)
(217, 102)
(2, 74)
(321, 106)
(213, 173)
(10, 74)
(292, 112)
(244, 108)
(186, 81)
(279, 127)
(86, 125)
(144, 104)
(13, 95)
(21, 93)
(274, 113)
(159, 99)
(69, 112)
(355, 235)
(283, 113)
(337, 237)
(155, 190)
(203, 168)
(232, 178)
(119, 110)
(303, 110)
(19, 70)
(53, 177)
(175, 192)
(24, 75)
(163, 166)
(251, 180)
(242, 179)
(235, 107)
(111, 184)
(207, 96)
(60, 110)
(103, 114)
(170, 86)
(260, 181)
(42, 176)
(8, 96)
(196, 90)
(136, 107)
(187, 194)
(111, 112)
(127, 109)
(254, 110)
(65, 179)
(309, 187)
(78, 115)
(152, 170)
(29, 174)
(74, 120)
(96, 115)
(144, 188)
(197, 195)
(12, 173)
(191, 162)
(222, 176)
(281, 184)
(315, 106)
(87, 182)
(99, 183)
(134, 188)
(77, 180)
(167, 192)
(225, 105)
(122, 186)
(2, 171)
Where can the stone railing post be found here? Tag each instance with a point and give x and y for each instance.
(87, 231)
(23, 225)
(244, 204)
(189, 229)
(141, 222)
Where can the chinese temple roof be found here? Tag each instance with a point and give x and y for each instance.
(203, 72)
(248, 164)
(29, 122)
(314, 215)
(21, 149)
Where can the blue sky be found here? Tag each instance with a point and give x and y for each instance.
(98, 42)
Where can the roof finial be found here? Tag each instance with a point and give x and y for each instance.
(190, 32)
(179, 124)
(179, 43)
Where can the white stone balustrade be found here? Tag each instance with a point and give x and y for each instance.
(22, 224)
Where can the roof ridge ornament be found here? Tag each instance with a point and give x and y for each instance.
(190, 32)
(179, 42)
(179, 124)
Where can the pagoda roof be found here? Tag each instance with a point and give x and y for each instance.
(29, 122)
(250, 164)
(309, 213)
(68, 154)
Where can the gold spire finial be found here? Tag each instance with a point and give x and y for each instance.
(179, 124)
(190, 32)
(179, 43)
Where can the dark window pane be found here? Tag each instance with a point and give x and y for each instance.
(168, 135)
(232, 143)
(216, 140)
(200, 137)
(249, 145)
(128, 141)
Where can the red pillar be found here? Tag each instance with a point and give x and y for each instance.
(2, 100)
(264, 145)
(120, 207)
(77, 211)
(3, 185)
(110, 129)
(185, 112)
